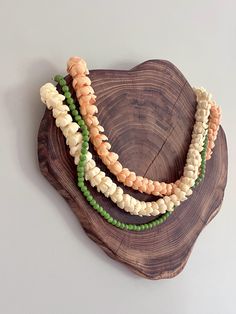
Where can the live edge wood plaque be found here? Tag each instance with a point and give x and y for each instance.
(148, 114)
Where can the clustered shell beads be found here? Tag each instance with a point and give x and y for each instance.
(98, 178)
(77, 132)
(77, 68)
(54, 101)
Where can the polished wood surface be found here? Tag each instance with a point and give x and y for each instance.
(148, 115)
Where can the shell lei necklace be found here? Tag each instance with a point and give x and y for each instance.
(103, 183)
(77, 68)
(203, 137)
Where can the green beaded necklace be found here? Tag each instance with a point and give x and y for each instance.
(81, 165)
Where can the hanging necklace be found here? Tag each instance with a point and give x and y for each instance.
(77, 68)
(85, 133)
(79, 126)
(54, 101)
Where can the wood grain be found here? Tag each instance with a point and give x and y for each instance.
(148, 115)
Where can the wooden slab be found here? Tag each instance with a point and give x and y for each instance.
(148, 115)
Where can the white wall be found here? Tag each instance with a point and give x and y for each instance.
(47, 263)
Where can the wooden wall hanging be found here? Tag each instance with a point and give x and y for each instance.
(148, 115)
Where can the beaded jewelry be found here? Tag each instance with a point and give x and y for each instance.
(152, 208)
(77, 68)
(67, 126)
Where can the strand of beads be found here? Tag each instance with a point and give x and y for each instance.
(129, 204)
(118, 223)
(85, 94)
(53, 100)
(98, 178)
(105, 185)
(109, 189)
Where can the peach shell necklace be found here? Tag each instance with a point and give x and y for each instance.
(86, 97)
